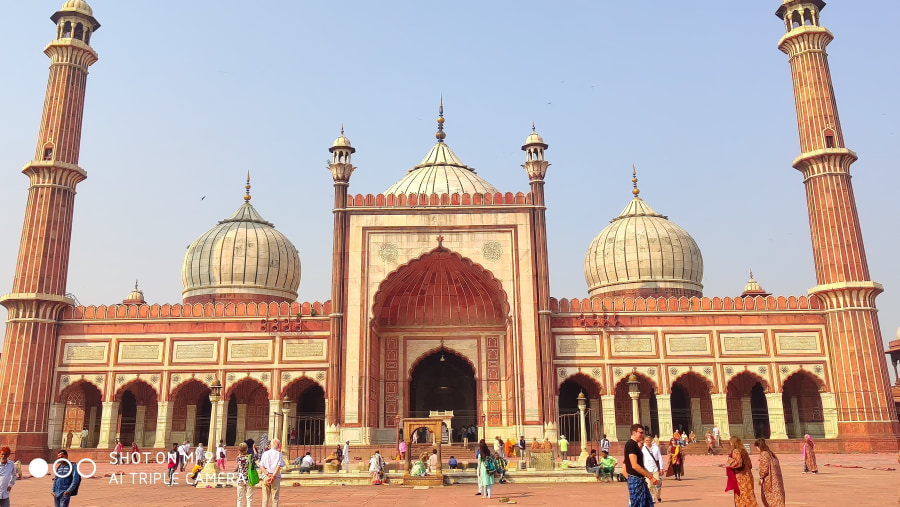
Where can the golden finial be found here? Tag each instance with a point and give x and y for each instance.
(636, 191)
(247, 188)
(342, 129)
(440, 133)
(135, 284)
(532, 126)
(751, 274)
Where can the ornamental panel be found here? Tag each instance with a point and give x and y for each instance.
(688, 345)
(743, 343)
(85, 353)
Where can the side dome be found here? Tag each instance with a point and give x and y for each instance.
(642, 254)
(242, 259)
(77, 6)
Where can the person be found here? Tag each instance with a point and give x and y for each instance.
(415, 436)
(345, 456)
(809, 455)
(183, 452)
(692, 438)
(563, 447)
(716, 436)
(135, 453)
(402, 448)
(263, 444)
(306, 463)
(535, 445)
(84, 437)
(521, 446)
(771, 483)
(172, 462)
(509, 448)
(591, 465)
(709, 443)
(270, 463)
(607, 466)
(498, 445)
(251, 449)
(604, 444)
(200, 455)
(500, 467)
(69, 437)
(452, 463)
(376, 468)
(638, 493)
(739, 464)
(118, 451)
(547, 446)
(676, 460)
(7, 476)
(485, 477)
(244, 489)
(653, 464)
(418, 467)
(220, 455)
(66, 480)
(293, 437)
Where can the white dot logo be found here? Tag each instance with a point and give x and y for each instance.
(38, 468)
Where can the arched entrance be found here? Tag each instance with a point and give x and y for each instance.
(802, 404)
(444, 381)
(190, 412)
(569, 419)
(308, 421)
(81, 412)
(748, 410)
(137, 414)
(692, 404)
(247, 413)
(647, 409)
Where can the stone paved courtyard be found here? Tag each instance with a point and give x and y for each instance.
(704, 485)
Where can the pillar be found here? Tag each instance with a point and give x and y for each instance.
(108, 420)
(747, 418)
(190, 424)
(139, 425)
(635, 410)
(287, 414)
(696, 416)
(664, 411)
(163, 419)
(608, 405)
(795, 417)
(720, 415)
(223, 421)
(778, 428)
(830, 413)
(241, 432)
(55, 437)
(275, 418)
(213, 426)
(584, 441)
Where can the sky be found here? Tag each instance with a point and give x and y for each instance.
(189, 96)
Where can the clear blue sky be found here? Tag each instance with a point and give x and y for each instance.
(187, 96)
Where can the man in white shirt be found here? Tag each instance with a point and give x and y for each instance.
(433, 461)
(346, 458)
(307, 463)
(653, 464)
(183, 453)
(7, 476)
(200, 455)
(270, 463)
(604, 444)
(716, 436)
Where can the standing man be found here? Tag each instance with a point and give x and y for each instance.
(118, 452)
(346, 459)
(271, 462)
(604, 444)
(184, 453)
(84, 438)
(7, 476)
(716, 436)
(200, 455)
(638, 493)
(65, 480)
(652, 460)
(563, 447)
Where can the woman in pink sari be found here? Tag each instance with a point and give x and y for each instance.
(809, 455)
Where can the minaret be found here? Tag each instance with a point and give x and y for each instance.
(341, 168)
(860, 376)
(39, 286)
(536, 167)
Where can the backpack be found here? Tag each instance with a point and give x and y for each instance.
(490, 465)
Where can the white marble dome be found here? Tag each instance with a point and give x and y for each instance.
(242, 258)
(642, 253)
(441, 172)
(77, 6)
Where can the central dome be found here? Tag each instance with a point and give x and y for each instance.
(242, 258)
(441, 172)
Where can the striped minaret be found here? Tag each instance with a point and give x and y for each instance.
(39, 287)
(860, 375)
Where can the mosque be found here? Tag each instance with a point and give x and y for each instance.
(440, 302)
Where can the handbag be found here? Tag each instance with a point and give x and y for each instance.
(731, 483)
(252, 474)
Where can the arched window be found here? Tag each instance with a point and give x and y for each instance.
(48, 153)
(79, 31)
(87, 36)
(67, 30)
(829, 138)
(796, 20)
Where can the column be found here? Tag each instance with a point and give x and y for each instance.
(223, 421)
(583, 456)
(747, 418)
(720, 415)
(274, 418)
(645, 412)
(664, 411)
(213, 423)
(287, 413)
(92, 437)
(696, 416)
(829, 411)
(777, 426)
(163, 417)
(139, 425)
(108, 424)
(593, 423)
(55, 437)
(608, 405)
(190, 424)
(635, 410)
(241, 422)
(795, 417)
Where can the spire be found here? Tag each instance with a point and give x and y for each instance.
(247, 186)
(135, 284)
(753, 288)
(440, 121)
(636, 191)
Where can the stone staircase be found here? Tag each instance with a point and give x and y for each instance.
(699, 449)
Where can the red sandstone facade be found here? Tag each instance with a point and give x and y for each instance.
(440, 300)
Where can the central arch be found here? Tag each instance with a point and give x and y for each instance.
(444, 381)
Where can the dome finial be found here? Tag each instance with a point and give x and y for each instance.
(135, 284)
(636, 191)
(440, 133)
(532, 126)
(342, 128)
(751, 273)
(247, 188)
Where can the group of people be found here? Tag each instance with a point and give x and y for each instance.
(771, 484)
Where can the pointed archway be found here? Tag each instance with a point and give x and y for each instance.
(692, 403)
(802, 403)
(444, 381)
(748, 409)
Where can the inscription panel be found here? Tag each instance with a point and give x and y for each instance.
(140, 353)
(687, 344)
(301, 349)
(806, 343)
(743, 343)
(85, 353)
(633, 345)
(250, 350)
(195, 352)
(578, 345)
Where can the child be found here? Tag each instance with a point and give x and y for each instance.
(453, 463)
(607, 466)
